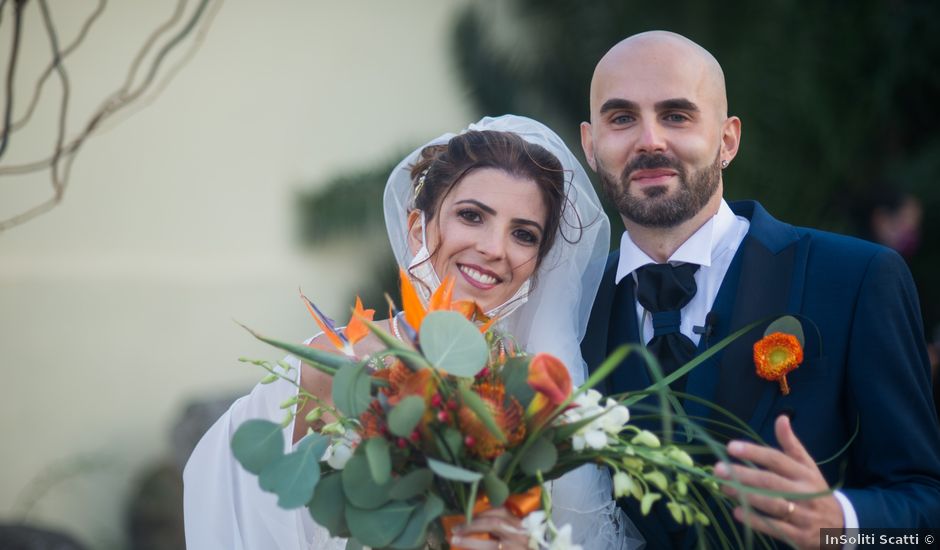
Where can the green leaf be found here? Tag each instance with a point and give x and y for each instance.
(294, 476)
(257, 443)
(496, 490)
(411, 484)
(539, 457)
(452, 343)
(328, 506)
(451, 443)
(405, 416)
(415, 532)
(515, 375)
(325, 361)
(479, 408)
(351, 386)
(379, 458)
(503, 460)
(453, 473)
(378, 527)
(353, 544)
(360, 489)
(787, 324)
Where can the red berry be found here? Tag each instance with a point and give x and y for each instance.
(452, 404)
(443, 416)
(415, 436)
(436, 400)
(402, 442)
(484, 372)
(469, 441)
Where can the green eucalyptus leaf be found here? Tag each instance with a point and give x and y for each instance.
(415, 532)
(360, 489)
(479, 408)
(257, 443)
(453, 473)
(294, 476)
(378, 527)
(380, 459)
(515, 376)
(351, 390)
(405, 416)
(539, 457)
(787, 324)
(451, 443)
(411, 484)
(495, 488)
(452, 343)
(328, 506)
(503, 460)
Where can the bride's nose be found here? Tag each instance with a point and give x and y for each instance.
(492, 245)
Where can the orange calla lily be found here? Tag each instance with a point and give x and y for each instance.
(549, 377)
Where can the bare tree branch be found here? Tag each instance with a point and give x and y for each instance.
(11, 72)
(37, 93)
(114, 103)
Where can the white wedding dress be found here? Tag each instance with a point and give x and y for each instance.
(226, 509)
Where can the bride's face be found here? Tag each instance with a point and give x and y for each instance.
(486, 234)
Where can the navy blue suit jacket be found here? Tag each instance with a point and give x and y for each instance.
(868, 363)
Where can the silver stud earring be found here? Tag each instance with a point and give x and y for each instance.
(724, 164)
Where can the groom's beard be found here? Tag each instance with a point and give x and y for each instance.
(655, 208)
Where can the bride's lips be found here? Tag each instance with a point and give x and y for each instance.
(479, 277)
(656, 176)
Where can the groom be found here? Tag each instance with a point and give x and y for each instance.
(693, 268)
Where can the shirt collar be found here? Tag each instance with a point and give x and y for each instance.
(700, 248)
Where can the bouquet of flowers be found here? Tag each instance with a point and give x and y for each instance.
(453, 419)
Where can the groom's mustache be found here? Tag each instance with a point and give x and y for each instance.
(649, 162)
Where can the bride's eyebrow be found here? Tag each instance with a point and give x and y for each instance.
(489, 210)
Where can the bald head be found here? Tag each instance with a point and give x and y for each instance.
(658, 58)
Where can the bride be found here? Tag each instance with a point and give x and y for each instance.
(506, 209)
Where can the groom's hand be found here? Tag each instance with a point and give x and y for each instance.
(792, 470)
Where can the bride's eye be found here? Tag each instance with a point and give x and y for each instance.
(469, 215)
(526, 237)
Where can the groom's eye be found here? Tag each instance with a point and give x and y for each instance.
(622, 119)
(676, 117)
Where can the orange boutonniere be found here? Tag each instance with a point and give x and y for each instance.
(777, 354)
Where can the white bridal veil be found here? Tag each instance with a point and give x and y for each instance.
(555, 316)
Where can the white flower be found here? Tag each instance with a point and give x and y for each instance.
(562, 540)
(536, 526)
(341, 450)
(611, 418)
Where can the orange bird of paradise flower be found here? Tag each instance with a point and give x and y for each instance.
(356, 329)
(441, 300)
(775, 355)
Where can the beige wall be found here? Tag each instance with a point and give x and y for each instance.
(117, 307)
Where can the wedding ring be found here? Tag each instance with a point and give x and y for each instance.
(790, 508)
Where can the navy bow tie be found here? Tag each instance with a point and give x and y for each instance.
(663, 290)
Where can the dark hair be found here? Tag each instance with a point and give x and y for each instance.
(442, 167)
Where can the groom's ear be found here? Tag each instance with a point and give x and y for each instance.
(414, 231)
(587, 143)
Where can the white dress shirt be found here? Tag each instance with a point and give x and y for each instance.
(712, 247)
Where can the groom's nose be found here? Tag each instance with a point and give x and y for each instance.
(651, 138)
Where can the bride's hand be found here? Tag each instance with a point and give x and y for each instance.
(506, 530)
